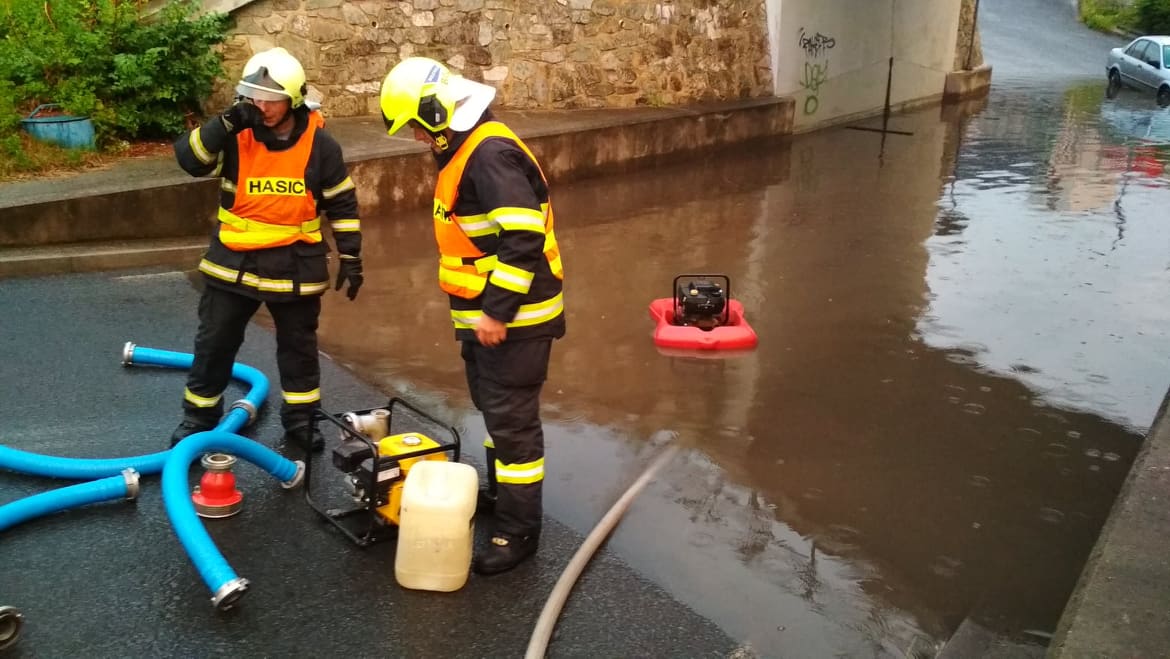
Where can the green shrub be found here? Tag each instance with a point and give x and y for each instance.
(9, 125)
(1153, 16)
(1107, 15)
(134, 77)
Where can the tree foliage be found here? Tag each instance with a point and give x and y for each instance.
(1153, 16)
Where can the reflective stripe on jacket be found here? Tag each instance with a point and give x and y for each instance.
(286, 272)
(464, 269)
(273, 204)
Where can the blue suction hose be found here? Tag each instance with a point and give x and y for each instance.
(242, 413)
(37, 505)
(174, 464)
(77, 468)
(226, 587)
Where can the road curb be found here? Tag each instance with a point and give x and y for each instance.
(63, 259)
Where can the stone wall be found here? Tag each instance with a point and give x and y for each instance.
(537, 53)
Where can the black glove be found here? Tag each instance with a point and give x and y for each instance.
(350, 269)
(241, 116)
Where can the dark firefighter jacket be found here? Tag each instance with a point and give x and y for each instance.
(272, 271)
(497, 179)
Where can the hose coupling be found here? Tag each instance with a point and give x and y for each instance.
(229, 593)
(128, 353)
(297, 478)
(131, 477)
(216, 495)
(11, 621)
(247, 406)
(374, 425)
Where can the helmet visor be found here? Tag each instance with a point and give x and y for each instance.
(258, 93)
(431, 113)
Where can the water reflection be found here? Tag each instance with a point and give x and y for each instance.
(1059, 248)
(957, 352)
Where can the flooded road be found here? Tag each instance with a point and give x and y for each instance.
(963, 337)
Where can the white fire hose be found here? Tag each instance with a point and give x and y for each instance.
(541, 634)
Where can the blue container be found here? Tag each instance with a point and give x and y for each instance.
(64, 130)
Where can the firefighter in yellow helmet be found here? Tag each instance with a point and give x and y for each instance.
(280, 172)
(500, 266)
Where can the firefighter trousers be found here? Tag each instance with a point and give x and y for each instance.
(505, 383)
(223, 320)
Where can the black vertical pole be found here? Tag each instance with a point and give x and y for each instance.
(889, 84)
(886, 110)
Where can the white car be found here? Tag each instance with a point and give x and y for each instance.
(1144, 64)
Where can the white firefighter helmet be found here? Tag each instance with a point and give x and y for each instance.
(273, 75)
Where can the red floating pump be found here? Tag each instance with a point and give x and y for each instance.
(216, 495)
(701, 316)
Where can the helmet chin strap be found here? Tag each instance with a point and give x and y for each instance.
(439, 141)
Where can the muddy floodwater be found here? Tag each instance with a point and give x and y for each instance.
(963, 336)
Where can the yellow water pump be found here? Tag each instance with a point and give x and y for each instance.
(397, 454)
(376, 464)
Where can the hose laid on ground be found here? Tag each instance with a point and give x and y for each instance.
(77, 468)
(226, 587)
(174, 465)
(242, 413)
(543, 630)
(106, 489)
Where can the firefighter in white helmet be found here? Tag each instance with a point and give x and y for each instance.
(280, 173)
(500, 266)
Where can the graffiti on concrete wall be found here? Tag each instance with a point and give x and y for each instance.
(816, 49)
(816, 45)
(815, 75)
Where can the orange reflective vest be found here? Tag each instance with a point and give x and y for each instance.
(464, 269)
(273, 205)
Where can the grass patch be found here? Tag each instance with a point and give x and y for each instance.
(1108, 15)
(36, 159)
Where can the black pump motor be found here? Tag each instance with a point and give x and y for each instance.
(701, 300)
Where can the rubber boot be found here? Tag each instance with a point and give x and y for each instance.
(485, 502)
(193, 423)
(304, 436)
(505, 551)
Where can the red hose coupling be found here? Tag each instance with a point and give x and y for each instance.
(216, 495)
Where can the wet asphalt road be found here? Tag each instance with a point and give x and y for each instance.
(961, 344)
(962, 331)
(1040, 42)
(111, 580)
